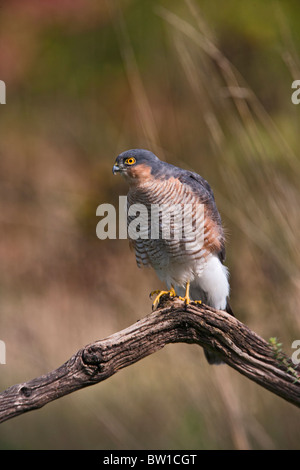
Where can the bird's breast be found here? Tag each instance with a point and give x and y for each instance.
(169, 226)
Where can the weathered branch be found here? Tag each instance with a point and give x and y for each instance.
(238, 346)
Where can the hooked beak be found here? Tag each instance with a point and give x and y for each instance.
(116, 169)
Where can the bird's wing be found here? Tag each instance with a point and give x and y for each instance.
(204, 193)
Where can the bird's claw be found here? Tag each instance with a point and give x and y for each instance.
(159, 294)
(186, 299)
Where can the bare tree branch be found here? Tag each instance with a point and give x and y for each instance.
(173, 322)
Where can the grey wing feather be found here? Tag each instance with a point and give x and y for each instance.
(206, 195)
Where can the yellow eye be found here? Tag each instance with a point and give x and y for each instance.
(130, 161)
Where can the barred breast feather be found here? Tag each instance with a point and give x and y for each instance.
(175, 260)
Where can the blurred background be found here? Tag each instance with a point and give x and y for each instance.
(204, 86)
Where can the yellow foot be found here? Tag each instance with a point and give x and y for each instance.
(186, 299)
(159, 294)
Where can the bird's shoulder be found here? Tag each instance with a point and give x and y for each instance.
(198, 184)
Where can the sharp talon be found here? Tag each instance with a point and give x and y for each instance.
(154, 292)
(159, 294)
(198, 302)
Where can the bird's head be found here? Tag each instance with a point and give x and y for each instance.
(136, 165)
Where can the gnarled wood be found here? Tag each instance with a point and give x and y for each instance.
(174, 322)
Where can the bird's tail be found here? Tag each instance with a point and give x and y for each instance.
(212, 357)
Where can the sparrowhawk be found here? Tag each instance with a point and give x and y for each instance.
(190, 265)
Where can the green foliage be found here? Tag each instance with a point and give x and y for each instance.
(282, 358)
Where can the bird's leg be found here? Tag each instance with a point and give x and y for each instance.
(186, 298)
(160, 293)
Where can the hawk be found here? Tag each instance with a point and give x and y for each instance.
(191, 267)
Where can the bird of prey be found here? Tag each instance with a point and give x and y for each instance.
(191, 266)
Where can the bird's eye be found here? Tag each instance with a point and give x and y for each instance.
(130, 161)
